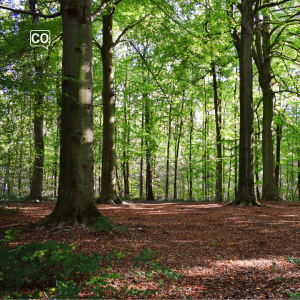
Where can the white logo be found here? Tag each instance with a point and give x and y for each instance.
(40, 38)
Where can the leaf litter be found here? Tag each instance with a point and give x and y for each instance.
(221, 251)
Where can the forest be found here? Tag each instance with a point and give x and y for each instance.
(155, 142)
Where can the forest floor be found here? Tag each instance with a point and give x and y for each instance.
(223, 252)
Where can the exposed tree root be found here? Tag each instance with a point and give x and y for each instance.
(61, 217)
(244, 203)
(30, 198)
(110, 199)
(271, 198)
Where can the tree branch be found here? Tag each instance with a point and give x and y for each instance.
(144, 60)
(19, 11)
(277, 37)
(99, 10)
(269, 5)
(174, 20)
(118, 40)
(97, 44)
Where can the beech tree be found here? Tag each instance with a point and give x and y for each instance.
(75, 202)
(108, 179)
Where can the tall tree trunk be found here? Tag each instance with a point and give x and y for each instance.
(177, 144)
(246, 193)
(257, 143)
(141, 162)
(108, 177)
(7, 184)
(190, 154)
(21, 155)
(55, 167)
(119, 182)
(57, 142)
(205, 147)
(256, 165)
(229, 178)
(36, 187)
(125, 164)
(75, 203)
(217, 103)
(262, 59)
(298, 177)
(277, 167)
(235, 146)
(168, 152)
(149, 191)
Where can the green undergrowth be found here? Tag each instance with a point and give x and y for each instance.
(296, 261)
(104, 224)
(54, 270)
(11, 198)
(6, 211)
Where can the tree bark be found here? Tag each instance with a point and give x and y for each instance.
(262, 59)
(256, 163)
(36, 187)
(277, 167)
(141, 162)
(190, 154)
(75, 203)
(168, 153)
(149, 191)
(206, 174)
(236, 146)
(125, 154)
(298, 183)
(217, 103)
(108, 176)
(246, 193)
(177, 144)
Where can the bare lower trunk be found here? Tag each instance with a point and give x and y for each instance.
(235, 147)
(277, 167)
(36, 187)
(75, 203)
(125, 156)
(262, 57)
(190, 155)
(177, 144)
(269, 191)
(246, 193)
(217, 103)
(149, 191)
(108, 177)
(298, 185)
(205, 148)
(141, 162)
(168, 153)
(256, 167)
